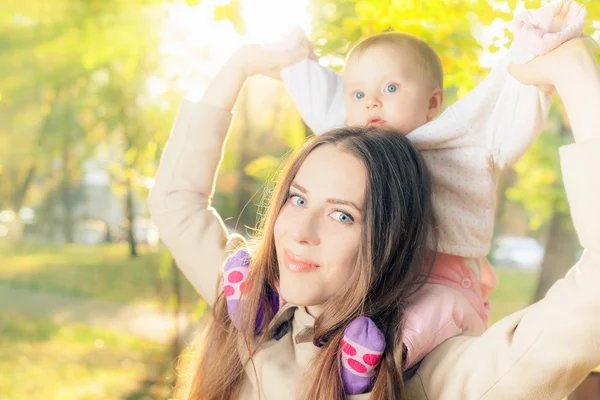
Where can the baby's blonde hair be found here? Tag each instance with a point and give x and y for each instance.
(425, 57)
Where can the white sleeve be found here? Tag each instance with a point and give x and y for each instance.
(318, 94)
(505, 115)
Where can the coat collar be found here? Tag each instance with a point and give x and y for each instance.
(294, 318)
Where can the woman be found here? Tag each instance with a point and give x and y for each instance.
(543, 351)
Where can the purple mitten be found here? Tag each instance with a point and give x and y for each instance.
(362, 348)
(235, 283)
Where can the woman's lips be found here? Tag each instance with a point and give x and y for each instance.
(296, 263)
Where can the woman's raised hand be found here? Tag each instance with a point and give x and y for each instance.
(548, 70)
(249, 60)
(256, 59)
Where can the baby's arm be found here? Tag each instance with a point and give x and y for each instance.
(318, 94)
(317, 91)
(501, 114)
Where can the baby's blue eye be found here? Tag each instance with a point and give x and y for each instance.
(391, 88)
(359, 95)
(297, 200)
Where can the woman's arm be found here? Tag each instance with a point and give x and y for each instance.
(180, 200)
(547, 349)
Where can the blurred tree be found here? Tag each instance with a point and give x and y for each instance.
(75, 52)
(539, 189)
(87, 66)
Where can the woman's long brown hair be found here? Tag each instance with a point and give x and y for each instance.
(397, 221)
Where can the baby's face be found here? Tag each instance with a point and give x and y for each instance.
(382, 88)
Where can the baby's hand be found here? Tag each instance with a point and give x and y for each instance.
(537, 32)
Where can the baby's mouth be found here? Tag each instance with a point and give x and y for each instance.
(376, 122)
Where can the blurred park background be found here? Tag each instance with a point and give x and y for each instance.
(91, 304)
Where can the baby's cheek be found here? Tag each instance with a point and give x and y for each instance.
(354, 116)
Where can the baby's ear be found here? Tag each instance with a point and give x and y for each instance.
(435, 104)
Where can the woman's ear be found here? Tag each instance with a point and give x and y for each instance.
(435, 104)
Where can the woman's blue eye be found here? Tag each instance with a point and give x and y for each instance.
(342, 217)
(297, 200)
(359, 95)
(391, 88)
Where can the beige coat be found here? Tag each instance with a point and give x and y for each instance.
(541, 352)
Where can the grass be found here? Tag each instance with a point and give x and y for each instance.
(42, 360)
(515, 291)
(102, 272)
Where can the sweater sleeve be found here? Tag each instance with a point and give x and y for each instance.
(180, 200)
(547, 349)
(501, 116)
(318, 93)
(504, 114)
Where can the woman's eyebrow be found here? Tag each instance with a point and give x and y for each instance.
(300, 188)
(330, 199)
(344, 202)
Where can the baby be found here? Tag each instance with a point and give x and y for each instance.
(396, 80)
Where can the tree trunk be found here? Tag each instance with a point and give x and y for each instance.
(561, 246)
(560, 253)
(130, 216)
(177, 340)
(21, 192)
(67, 192)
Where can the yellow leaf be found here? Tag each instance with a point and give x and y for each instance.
(45, 109)
(130, 155)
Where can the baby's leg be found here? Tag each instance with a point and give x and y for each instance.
(362, 348)
(449, 304)
(235, 274)
(235, 284)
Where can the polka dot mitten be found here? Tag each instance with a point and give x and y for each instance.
(235, 283)
(362, 348)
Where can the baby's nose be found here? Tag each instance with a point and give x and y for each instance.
(373, 103)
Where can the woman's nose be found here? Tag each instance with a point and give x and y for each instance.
(306, 229)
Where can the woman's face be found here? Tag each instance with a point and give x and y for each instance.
(318, 231)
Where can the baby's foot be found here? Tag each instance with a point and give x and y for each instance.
(236, 283)
(235, 274)
(362, 348)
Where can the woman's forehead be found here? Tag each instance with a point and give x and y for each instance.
(330, 172)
